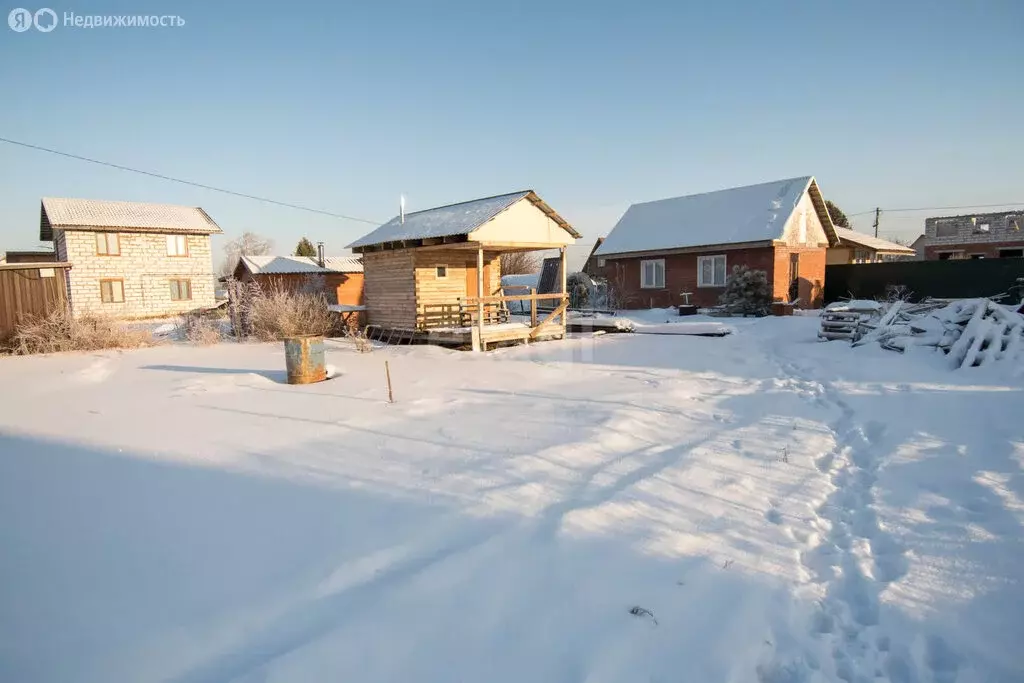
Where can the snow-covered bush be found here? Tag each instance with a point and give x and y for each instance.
(746, 292)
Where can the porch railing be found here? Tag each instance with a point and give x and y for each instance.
(465, 312)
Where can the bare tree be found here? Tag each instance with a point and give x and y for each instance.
(249, 244)
(519, 263)
(619, 295)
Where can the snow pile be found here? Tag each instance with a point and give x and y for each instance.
(580, 321)
(699, 329)
(973, 332)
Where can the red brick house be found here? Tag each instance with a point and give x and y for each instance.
(659, 250)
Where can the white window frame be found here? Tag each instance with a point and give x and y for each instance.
(700, 270)
(173, 242)
(657, 262)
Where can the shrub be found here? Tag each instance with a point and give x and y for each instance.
(746, 292)
(61, 331)
(199, 328)
(278, 313)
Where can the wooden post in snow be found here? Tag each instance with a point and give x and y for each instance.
(480, 293)
(564, 278)
(533, 307)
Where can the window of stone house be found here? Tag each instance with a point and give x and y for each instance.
(181, 290)
(112, 291)
(108, 244)
(177, 245)
(981, 227)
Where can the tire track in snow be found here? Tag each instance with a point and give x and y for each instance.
(851, 555)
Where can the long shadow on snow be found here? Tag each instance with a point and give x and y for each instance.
(118, 567)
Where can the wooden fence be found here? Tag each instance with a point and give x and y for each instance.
(30, 289)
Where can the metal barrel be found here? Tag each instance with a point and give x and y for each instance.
(304, 359)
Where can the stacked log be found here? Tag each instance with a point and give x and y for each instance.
(972, 332)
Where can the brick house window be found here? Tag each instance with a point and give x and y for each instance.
(711, 271)
(108, 244)
(982, 227)
(112, 291)
(652, 274)
(177, 245)
(945, 228)
(181, 290)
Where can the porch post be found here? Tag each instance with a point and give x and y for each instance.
(565, 300)
(480, 293)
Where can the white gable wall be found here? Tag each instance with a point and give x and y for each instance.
(804, 227)
(522, 223)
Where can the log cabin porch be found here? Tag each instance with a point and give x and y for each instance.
(434, 276)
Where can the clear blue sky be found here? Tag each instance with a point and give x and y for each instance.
(344, 105)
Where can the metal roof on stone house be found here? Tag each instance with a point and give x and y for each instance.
(871, 242)
(300, 265)
(739, 215)
(95, 214)
(453, 220)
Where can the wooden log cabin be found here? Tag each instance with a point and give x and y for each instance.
(435, 275)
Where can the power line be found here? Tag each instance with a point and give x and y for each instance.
(939, 208)
(189, 182)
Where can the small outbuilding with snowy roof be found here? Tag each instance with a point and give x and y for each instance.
(437, 273)
(339, 278)
(681, 250)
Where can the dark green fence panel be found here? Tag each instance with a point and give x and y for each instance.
(957, 279)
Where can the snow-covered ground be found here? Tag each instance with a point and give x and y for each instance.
(780, 509)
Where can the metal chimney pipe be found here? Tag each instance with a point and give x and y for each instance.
(320, 254)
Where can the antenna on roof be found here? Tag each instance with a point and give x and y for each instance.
(401, 208)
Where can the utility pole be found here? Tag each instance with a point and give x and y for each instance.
(878, 212)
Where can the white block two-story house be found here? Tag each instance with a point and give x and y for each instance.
(132, 259)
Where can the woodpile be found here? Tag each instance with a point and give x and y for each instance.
(844, 319)
(972, 332)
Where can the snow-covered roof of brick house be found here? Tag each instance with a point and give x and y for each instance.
(299, 265)
(740, 215)
(453, 220)
(871, 242)
(94, 214)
